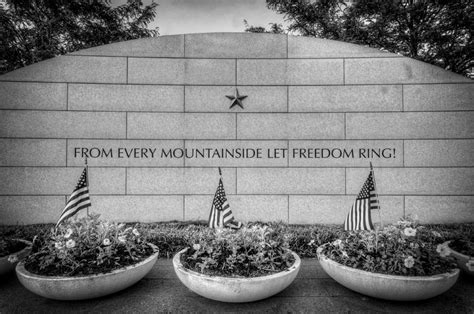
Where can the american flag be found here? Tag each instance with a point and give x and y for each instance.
(78, 200)
(359, 217)
(221, 215)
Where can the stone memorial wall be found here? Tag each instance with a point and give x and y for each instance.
(294, 123)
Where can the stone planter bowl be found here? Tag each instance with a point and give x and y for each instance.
(236, 290)
(461, 260)
(84, 287)
(6, 266)
(389, 287)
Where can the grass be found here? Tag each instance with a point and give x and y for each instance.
(171, 237)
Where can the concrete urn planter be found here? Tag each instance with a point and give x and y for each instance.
(84, 287)
(462, 260)
(235, 290)
(6, 264)
(389, 287)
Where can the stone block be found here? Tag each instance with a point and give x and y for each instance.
(245, 208)
(55, 180)
(162, 47)
(155, 71)
(181, 126)
(213, 98)
(143, 208)
(26, 95)
(441, 209)
(438, 97)
(290, 181)
(181, 71)
(290, 126)
(345, 153)
(414, 181)
(290, 72)
(309, 47)
(396, 71)
(104, 97)
(25, 210)
(62, 124)
(78, 69)
(410, 125)
(210, 71)
(162, 181)
(246, 153)
(123, 153)
(439, 153)
(32, 152)
(235, 45)
(345, 98)
(331, 209)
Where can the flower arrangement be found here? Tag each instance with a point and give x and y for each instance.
(247, 252)
(406, 249)
(87, 246)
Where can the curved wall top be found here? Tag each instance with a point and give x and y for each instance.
(123, 103)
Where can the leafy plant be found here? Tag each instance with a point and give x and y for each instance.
(247, 252)
(462, 246)
(10, 246)
(403, 249)
(35, 30)
(87, 246)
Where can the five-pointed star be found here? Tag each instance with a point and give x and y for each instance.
(236, 100)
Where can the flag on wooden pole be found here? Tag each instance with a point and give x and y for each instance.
(359, 217)
(221, 215)
(78, 200)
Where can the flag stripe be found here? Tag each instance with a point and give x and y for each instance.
(221, 214)
(79, 199)
(359, 217)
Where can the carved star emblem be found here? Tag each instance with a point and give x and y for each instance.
(236, 99)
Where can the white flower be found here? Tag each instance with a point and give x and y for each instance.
(197, 246)
(13, 258)
(470, 265)
(409, 262)
(311, 242)
(70, 243)
(135, 232)
(122, 239)
(106, 242)
(68, 233)
(344, 254)
(443, 250)
(337, 242)
(409, 232)
(58, 245)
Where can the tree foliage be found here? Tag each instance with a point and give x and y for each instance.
(274, 28)
(34, 30)
(437, 32)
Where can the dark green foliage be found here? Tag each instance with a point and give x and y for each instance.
(171, 237)
(87, 246)
(248, 252)
(463, 246)
(35, 30)
(403, 249)
(9, 246)
(275, 28)
(437, 32)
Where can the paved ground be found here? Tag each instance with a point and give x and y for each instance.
(160, 291)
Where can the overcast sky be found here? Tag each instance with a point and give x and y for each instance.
(203, 16)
